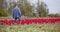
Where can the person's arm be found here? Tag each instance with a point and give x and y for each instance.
(20, 12)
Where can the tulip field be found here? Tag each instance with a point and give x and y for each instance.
(31, 21)
(31, 25)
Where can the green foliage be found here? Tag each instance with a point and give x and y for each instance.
(10, 10)
(29, 14)
(57, 15)
(26, 9)
(1, 4)
(54, 15)
(32, 28)
(42, 9)
(3, 13)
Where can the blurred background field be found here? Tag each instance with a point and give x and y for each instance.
(30, 9)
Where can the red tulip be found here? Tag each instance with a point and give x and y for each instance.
(31, 21)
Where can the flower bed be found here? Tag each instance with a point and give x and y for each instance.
(31, 21)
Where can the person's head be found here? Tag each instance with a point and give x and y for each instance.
(15, 4)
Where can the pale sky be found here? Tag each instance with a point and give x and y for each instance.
(53, 5)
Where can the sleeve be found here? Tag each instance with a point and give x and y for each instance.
(20, 12)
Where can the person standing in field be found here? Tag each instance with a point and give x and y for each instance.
(16, 13)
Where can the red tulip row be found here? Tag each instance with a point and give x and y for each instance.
(29, 21)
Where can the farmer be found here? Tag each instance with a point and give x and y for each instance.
(16, 13)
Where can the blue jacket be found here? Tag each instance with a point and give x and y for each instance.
(16, 12)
